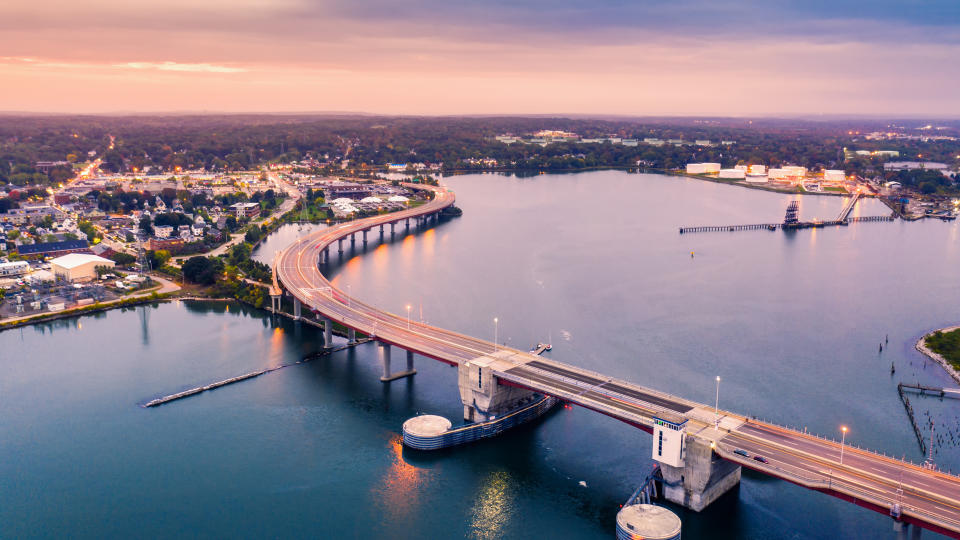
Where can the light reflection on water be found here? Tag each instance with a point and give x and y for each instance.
(493, 508)
(399, 490)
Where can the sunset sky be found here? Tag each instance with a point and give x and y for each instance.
(639, 57)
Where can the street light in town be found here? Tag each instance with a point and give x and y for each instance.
(843, 438)
(496, 332)
(716, 408)
(408, 316)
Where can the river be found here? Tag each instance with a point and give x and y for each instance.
(591, 261)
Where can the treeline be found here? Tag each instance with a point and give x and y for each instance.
(237, 142)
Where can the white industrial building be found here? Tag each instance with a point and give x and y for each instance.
(834, 175)
(757, 178)
(703, 168)
(733, 173)
(14, 268)
(78, 266)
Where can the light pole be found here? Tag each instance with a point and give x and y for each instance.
(843, 438)
(408, 316)
(496, 332)
(716, 408)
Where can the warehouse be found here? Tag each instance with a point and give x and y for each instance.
(14, 268)
(78, 266)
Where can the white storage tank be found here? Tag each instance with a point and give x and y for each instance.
(647, 521)
(759, 170)
(832, 175)
(733, 173)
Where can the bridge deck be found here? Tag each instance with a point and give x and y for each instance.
(928, 497)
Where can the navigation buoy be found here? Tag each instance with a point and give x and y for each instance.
(691, 254)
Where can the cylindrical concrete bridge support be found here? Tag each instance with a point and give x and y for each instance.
(327, 333)
(353, 239)
(393, 226)
(383, 353)
(275, 302)
(381, 229)
(365, 236)
(340, 245)
(296, 308)
(351, 335)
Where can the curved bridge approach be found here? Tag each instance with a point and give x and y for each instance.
(713, 446)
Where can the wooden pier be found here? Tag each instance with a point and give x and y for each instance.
(930, 390)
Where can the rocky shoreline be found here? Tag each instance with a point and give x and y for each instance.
(922, 347)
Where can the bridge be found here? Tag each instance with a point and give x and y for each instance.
(847, 208)
(700, 449)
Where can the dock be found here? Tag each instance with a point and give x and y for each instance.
(253, 374)
(931, 390)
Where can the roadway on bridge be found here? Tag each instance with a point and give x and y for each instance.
(867, 478)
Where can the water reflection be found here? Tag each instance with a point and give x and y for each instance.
(493, 507)
(400, 488)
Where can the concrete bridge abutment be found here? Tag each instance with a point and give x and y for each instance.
(484, 398)
(701, 479)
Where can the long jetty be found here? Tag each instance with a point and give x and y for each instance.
(775, 226)
(200, 389)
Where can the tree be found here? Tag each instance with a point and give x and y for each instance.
(122, 259)
(200, 270)
(254, 233)
(161, 256)
(146, 225)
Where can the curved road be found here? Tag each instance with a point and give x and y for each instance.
(928, 498)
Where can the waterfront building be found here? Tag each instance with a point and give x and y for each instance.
(78, 266)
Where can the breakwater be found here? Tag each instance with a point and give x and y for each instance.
(200, 389)
(913, 420)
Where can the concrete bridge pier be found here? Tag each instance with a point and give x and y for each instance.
(901, 529)
(383, 352)
(484, 398)
(351, 335)
(275, 302)
(701, 479)
(327, 333)
(296, 308)
(340, 245)
(393, 225)
(365, 231)
(408, 224)
(353, 239)
(326, 255)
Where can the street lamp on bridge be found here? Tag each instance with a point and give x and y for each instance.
(843, 439)
(716, 408)
(496, 332)
(408, 316)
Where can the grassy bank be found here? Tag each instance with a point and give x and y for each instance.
(946, 344)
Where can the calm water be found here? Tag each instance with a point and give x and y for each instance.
(791, 322)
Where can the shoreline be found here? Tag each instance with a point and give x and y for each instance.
(922, 347)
